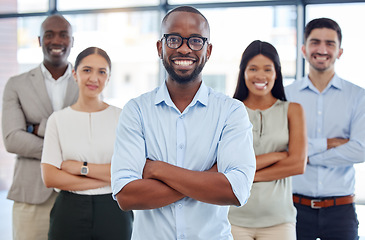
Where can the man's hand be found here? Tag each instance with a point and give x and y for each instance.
(150, 168)
(35, 130)
(335, 142)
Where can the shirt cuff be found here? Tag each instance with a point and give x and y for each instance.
(240, 184)
(316, 146)
(118, 181)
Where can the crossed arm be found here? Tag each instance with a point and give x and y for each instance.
(138, 183)
(69, 177)
(16, 139)
(66, 175)
(163, 184)
(278, 165)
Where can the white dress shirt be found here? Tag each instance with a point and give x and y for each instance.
(56, 88)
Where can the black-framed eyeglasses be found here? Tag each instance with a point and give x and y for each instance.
(175, 41)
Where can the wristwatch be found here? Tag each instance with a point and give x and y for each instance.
(30, 128)
(84, 169)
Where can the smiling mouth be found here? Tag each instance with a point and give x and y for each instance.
(183, 62)
(93, 87)
(56, 51)
(260, 85)
(321, 58)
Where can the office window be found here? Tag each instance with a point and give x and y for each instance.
(23, 6)
(232, 29)
(184, 2)
(64, 5)
(128, 38)
(350, 17)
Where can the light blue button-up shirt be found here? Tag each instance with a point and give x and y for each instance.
(212, 129)
(336, 112)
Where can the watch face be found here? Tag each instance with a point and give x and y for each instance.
(84, 170)
(30, 128)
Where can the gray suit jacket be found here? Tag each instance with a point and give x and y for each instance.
(26, 101)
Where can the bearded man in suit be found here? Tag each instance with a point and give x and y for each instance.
(28, 101)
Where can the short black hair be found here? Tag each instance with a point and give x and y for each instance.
(322, 23)
(185, 9)
(255, 48)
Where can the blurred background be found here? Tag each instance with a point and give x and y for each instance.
(128, 31)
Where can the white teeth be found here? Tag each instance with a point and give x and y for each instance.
(57, 50)
(321, 58)
(183, 62)
(261, 84)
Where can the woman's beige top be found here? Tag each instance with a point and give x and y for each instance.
(270, 203)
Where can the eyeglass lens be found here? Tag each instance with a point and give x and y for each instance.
(175, 41)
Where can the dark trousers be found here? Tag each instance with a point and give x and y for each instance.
(330, 223)
(89, 217)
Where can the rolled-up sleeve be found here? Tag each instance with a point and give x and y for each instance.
(129, 155)
(236, 157)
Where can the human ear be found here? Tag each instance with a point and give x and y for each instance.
(209, 50)
(303, 50)
(340, 52)
(74, 74)
(159, 48)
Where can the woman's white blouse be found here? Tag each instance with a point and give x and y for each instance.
(81, 136)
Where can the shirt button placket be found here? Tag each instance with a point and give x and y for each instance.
(180, 158)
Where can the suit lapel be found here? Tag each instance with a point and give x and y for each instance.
(37, 80)
(72, 92)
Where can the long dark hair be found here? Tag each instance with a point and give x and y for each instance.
(255, 48)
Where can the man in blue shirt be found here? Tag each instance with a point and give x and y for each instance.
(335, 116)
(197, 142)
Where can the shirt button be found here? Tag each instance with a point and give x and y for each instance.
(180, 205)
(182, 236)
(181, 116)
(319, 112)
(181, 146)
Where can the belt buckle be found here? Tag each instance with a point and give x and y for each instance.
(313, 202)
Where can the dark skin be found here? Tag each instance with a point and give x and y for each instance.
(163, 183)
(56, 41)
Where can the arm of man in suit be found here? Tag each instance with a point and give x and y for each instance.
(16, 139)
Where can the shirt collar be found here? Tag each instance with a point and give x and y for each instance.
(163, 95)
(335, 82)
(48, 76)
